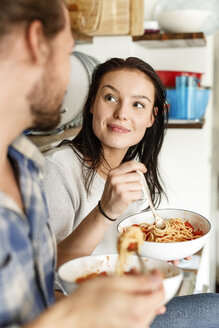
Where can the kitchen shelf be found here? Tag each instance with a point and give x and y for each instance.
(47, 142)
(185, 124)
(174, 40)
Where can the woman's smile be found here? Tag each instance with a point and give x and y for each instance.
(118, 128)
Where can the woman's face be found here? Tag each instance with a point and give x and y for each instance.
(123, 108)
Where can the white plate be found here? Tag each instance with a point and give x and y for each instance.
(82, 266)
(82, 67)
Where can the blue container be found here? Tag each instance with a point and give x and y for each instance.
(192, 106)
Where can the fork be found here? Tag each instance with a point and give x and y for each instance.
(159, 222)
(143, 266)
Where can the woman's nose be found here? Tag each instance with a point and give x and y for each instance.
(121, 112)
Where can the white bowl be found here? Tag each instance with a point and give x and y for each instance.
(170, 251)
(82, 266)
(183, 20)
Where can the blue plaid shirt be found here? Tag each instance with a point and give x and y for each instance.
(27, 248)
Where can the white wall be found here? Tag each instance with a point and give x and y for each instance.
(103, 48)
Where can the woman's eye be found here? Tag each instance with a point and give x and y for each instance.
(138, 105)
(110, 98)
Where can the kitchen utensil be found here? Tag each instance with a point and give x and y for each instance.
(70, 271)
(136, 17)
(143, 266)
(186, 88)
(82, 67)
(183, 20)
(159, 222)
(210, 26)
(181, 96)
(169, 77)
(170, 251)
(101, 17)
(84, 14)
(58, 285)
(202, 95)
(115, 18)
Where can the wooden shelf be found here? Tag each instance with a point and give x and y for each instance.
(47, 142)
(185, 124)
(168, 40)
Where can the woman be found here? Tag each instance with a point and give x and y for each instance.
(92, 182)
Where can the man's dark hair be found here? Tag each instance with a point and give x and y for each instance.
(14, 13)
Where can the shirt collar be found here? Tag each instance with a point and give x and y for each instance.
(24, 146)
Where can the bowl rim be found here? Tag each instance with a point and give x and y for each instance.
(179, 273)
(175, 242)
(174, 71)
(186, 10)
(202, 87)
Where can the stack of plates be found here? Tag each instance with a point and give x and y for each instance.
(82, 67)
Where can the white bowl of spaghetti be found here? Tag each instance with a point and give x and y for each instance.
(74, 272)
(183, 237)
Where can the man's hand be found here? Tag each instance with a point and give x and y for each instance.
(120, 302)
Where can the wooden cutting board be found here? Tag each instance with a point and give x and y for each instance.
(136, 17)
(84, 14)
(107, 17)
(114, 18)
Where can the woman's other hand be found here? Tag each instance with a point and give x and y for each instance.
(177, 262)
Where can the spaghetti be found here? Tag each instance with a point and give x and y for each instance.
(176, 230)
(129, 241)
(102, 274)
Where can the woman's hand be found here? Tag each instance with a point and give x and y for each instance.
(123, 186)
(177, 262)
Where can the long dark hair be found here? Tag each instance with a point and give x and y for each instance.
(87, 145)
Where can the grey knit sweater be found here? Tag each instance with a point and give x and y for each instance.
(68, 201)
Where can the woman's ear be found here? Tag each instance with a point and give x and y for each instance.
(154, 113)
(91, 110)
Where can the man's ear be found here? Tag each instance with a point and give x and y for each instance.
(38, 47)
(154, 113)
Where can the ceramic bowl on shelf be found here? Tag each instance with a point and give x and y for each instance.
(175, 250)
(80, 267)
(183, 20)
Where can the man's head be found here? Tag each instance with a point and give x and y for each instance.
(35, 36)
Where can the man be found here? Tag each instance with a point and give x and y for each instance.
(35, 44)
